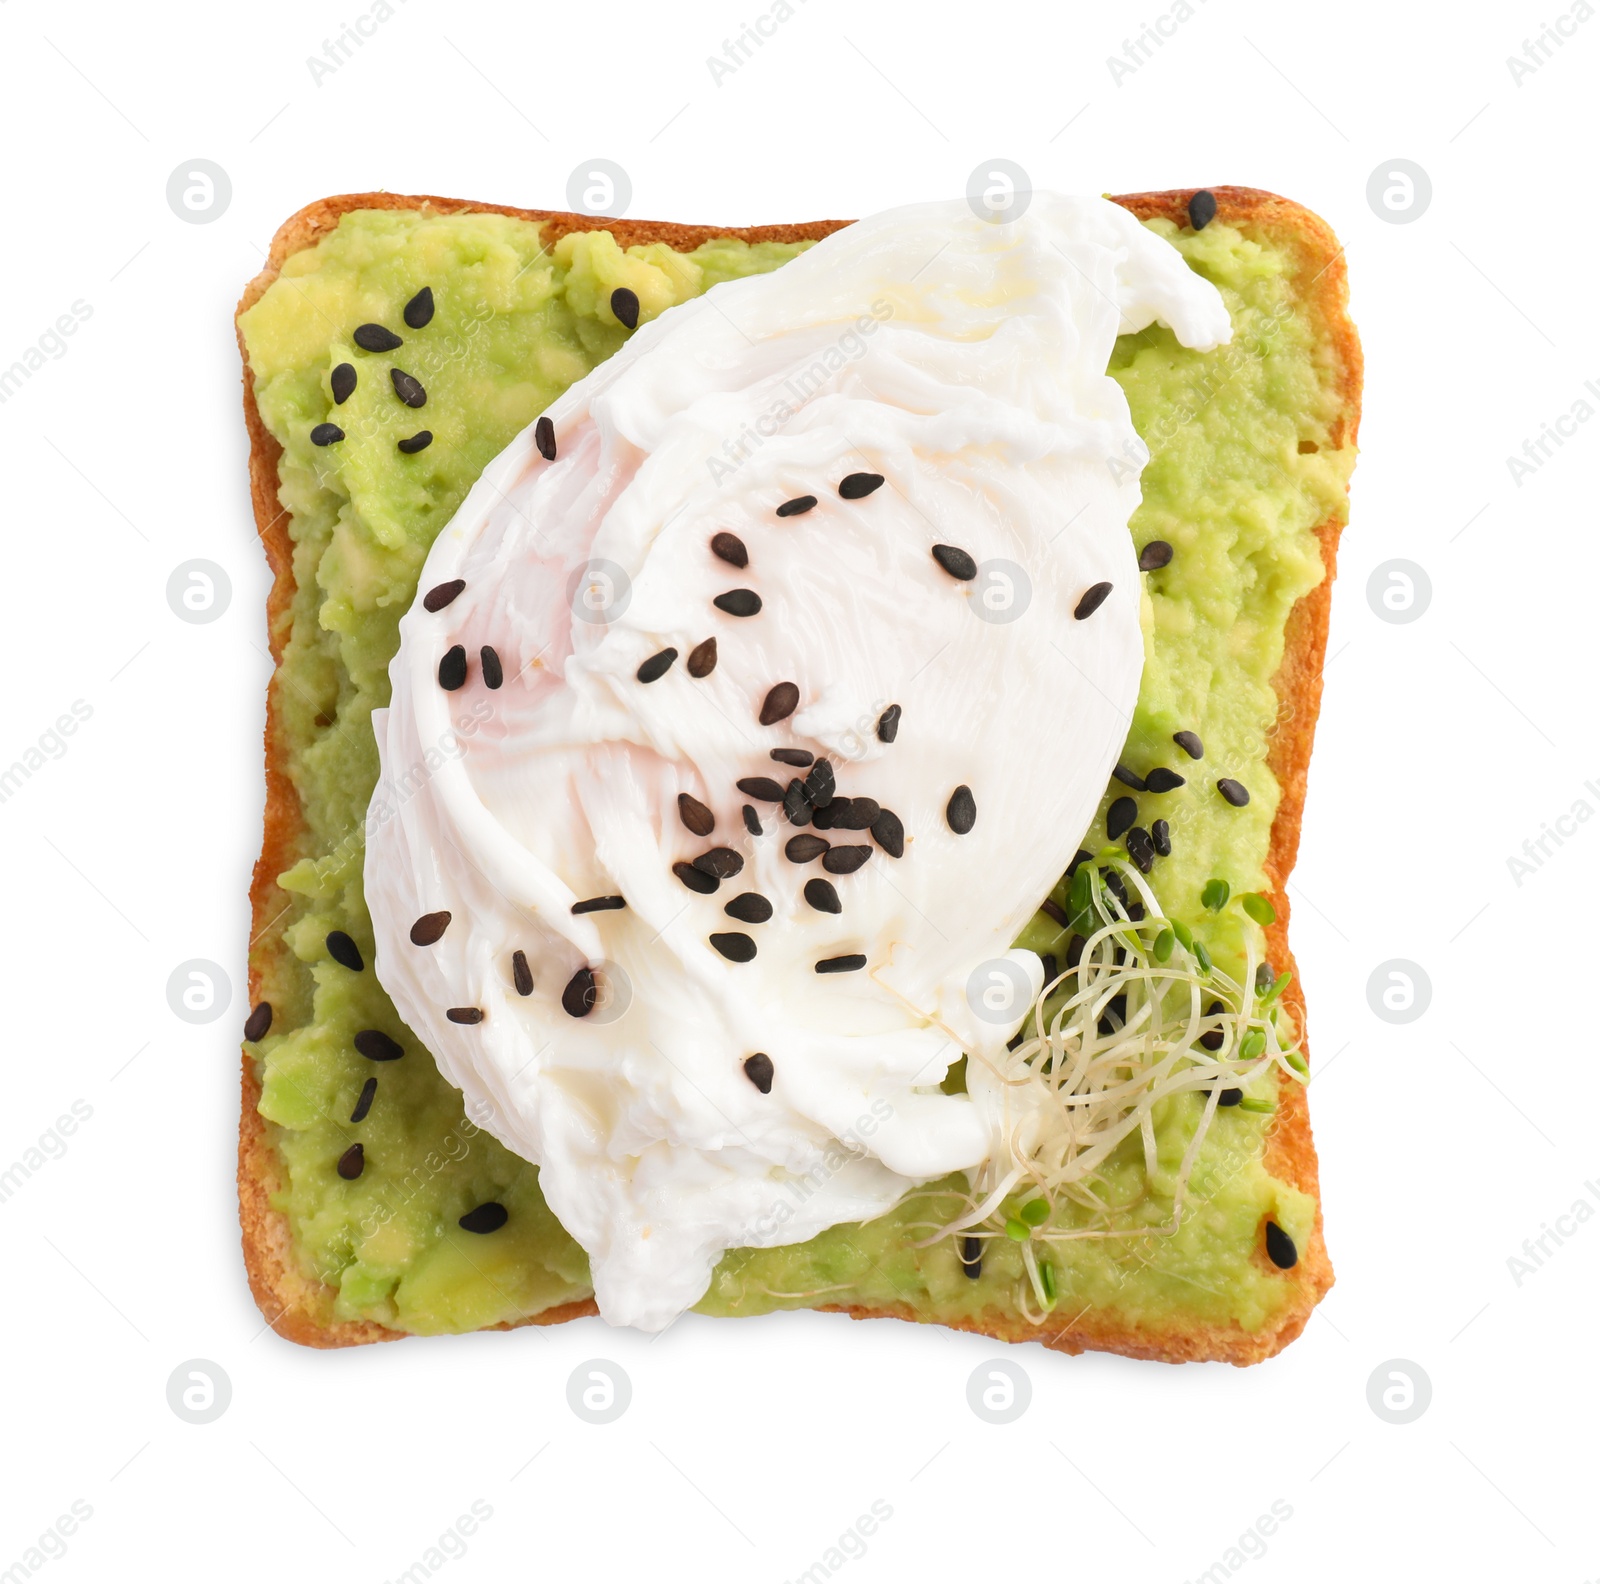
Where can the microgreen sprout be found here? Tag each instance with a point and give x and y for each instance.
(1215, 895)
(1079, 891)
(1258, 907)
(1079, 1084)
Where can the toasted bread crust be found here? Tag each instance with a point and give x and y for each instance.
(294, 1304)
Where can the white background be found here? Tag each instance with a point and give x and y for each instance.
(749, 1447)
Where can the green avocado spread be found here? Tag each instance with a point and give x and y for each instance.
(1240, 476)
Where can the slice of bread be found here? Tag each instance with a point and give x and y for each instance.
(299, 1306)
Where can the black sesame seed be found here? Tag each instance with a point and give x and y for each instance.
(657, 665)
(326, 434)
(758, 1069)
(820, 783)
(797, 803)
(889, 724)
(521, 973)
(889, 833)
(695, 815)
(493, 672)
(721, 863)
(1213, 1040)
(1079, 857)
(1230, 1097)
(956, 562)
(845, 860)
(702, 659)
(468, 1015)
(1233, 792)
(850, 963)
(544, 438)
(1114, 884)
(1050, 967)
(1161, 838)
(259, 1021)
(1190, 743)
(344, 951)
(739, 602)
(420, 441)
(763, 788)
(836, 814)
(1280, 1247)
(1136, 910)
(408, 388)
(730, 548)
(855, 486)
(1129, 778)
(352, 1162)
(749, 907)
(364, 1100)
(822, 896)
(342, 382)
(972, 1258)
(1163, 780)
(419, 310)
(1075, 952)
(1155, 555)
(854, 813)
(1141, 849)
(752, 820)
(429, 928)
(961, 812)
(792, 756)
(1114, 1017)
(625, 305)
(1093, 599)
(488, 1217)
(1054, 911)
(735, 945)
(779, 704)
(377, 1046)
(696, 879)
(453, 668)
(441, 594)
(375, 338)
(802, 849)
(600, 904)
(1202, 210)
(581, 994)
(793, 508)
(1120, 817)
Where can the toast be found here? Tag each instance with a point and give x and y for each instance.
(300, 1306)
